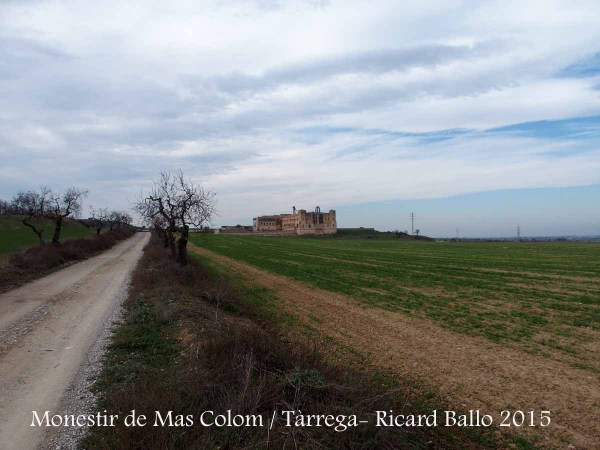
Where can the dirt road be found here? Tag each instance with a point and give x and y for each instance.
(47, 329)
(470, 373)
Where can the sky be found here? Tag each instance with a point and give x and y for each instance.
(477, 115)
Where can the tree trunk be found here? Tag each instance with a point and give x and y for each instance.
(38, 233)
(165, 238)
(98, 231)
(171, 242)
(57, 230)
(182, 245)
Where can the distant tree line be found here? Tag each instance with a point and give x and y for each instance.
(36, 209)
(103, 217)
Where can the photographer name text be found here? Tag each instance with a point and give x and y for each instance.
(296, 418)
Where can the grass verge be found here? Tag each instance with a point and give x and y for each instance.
(23, 267)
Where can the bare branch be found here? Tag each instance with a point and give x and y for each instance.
(32, 205)
(60, 206)
(174, 204)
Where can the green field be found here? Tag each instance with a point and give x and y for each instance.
(15, 236)
(542, 297)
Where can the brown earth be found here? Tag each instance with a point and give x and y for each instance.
(470, 373)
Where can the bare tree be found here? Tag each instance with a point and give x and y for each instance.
(150, 216)
(179, 203)
(61, 206)
(159, 224)
(158, 210)
(32, 205)
(119, 218)
(125, 219)
(100, 217)
(7, 208)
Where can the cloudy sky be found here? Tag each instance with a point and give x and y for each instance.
(476, 115)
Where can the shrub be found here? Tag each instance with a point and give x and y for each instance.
(48, 256)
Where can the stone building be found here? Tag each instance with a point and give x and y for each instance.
(299, 222)
(266, 223)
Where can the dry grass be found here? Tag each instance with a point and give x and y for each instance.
(47, 256)
(20, 268)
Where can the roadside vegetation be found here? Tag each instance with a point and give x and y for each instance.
(191, 341)
(27, 221)
(538, 296)
(37, 261)
(14, 236)
(43, 211)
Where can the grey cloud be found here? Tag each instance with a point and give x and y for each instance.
(144, 113)
(376, 61)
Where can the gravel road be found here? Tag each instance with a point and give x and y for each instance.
(52, 335)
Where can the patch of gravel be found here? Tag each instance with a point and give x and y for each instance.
(19, 328)
(16, 330)
(79, 397)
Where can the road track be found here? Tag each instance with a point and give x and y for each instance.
(48, 329)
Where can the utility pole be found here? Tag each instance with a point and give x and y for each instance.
(457, 233)
(518, 232)
(412, 223)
